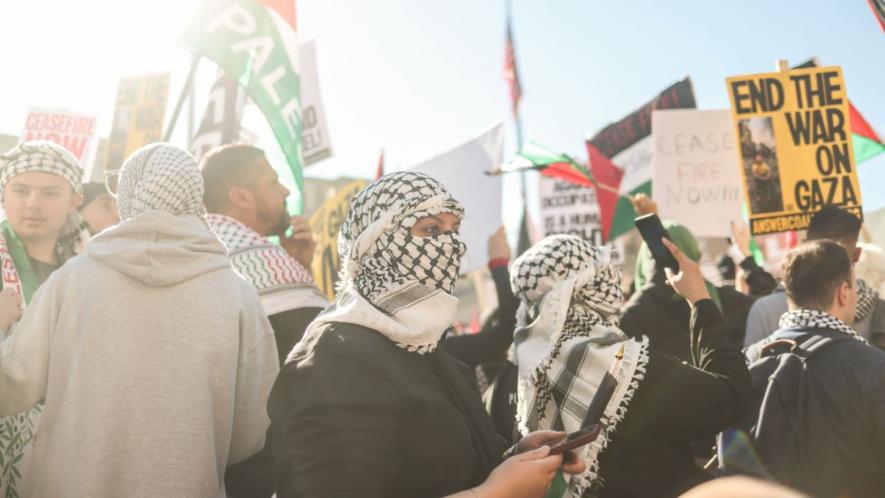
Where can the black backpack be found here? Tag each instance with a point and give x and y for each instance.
(769, 440)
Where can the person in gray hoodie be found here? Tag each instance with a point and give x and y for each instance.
(153, 356)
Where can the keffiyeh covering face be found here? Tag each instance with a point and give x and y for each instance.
(566, 340)
(391, 281)
(160, 177)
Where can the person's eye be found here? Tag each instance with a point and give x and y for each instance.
(431, 230)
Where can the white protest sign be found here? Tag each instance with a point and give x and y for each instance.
(568, 208)
(696, 177)
(314, 132)
(462, 171)
(72, 130)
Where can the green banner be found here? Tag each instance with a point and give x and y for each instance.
(257, 47)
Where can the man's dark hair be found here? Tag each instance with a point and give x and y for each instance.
(226, 167)
(814, 271)
(834, 223)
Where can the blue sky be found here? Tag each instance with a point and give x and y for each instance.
(419, 76)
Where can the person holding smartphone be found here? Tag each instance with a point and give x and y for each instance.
(367, 404)
(566, 340)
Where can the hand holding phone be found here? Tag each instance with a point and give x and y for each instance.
(578, 438)
(653, 232)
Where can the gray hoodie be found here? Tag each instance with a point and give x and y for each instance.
(154, 359)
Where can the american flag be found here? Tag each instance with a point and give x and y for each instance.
(878, 7)
(511, 75)
(379, 171)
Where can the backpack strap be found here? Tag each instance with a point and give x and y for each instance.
(804, 345)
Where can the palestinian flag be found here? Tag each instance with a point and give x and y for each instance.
(864, 140)
(537, 157)
(620, 156)
(254, 42)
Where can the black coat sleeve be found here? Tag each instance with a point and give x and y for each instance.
(685, 402)
(289, 326)
(338, 442)
(496, 335)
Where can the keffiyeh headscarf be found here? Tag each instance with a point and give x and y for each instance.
(566, 340)
(161, 177)
(391, 281)
(867, 297)
(46, 157)
(43, 156)
(282, 283)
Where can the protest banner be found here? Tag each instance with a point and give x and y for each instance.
(696, 179)
(138, 115)
(462, 171)
(794, 146)
(569, 208)
(257, 46)
(314, 134)
(325, 223)
(628, 145)
(221, 122)
(72, 130)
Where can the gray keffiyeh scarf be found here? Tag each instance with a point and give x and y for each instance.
(566, 340)
(391, 281)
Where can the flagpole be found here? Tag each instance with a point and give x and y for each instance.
(517, 118)
(185, 92)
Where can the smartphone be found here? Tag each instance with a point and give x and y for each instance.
(653, 231)
(578, 438)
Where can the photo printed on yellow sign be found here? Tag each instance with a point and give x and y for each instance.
(794, 146)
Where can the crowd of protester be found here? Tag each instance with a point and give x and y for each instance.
(162, 335)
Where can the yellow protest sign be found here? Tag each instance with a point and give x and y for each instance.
(325, 224)
(138, 115)
(794, 149)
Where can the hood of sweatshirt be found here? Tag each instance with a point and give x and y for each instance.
(160, 249)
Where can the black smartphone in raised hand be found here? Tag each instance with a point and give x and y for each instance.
(653, 231)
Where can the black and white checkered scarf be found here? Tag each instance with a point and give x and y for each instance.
(48, 157)
(161, 177)
(281, 281)
(566, 340)
(808, 318)
(867, 297)
(392, 281)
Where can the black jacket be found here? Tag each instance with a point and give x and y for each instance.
(676, 403)
(357, 415)
(496, 336)
(847, 420)
(253, 477)
(657, 312)
(650, 453)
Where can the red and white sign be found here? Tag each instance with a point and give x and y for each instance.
(73, 131)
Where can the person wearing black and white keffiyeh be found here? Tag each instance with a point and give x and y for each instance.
(151, 356)
(841, 413)
(367, 404)
(566, 339)
(40, 184)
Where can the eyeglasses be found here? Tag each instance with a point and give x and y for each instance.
(112, 181)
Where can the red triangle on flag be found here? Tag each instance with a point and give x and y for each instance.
(285, 8)
(605, 173)
(859, 125)
(567, 172)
